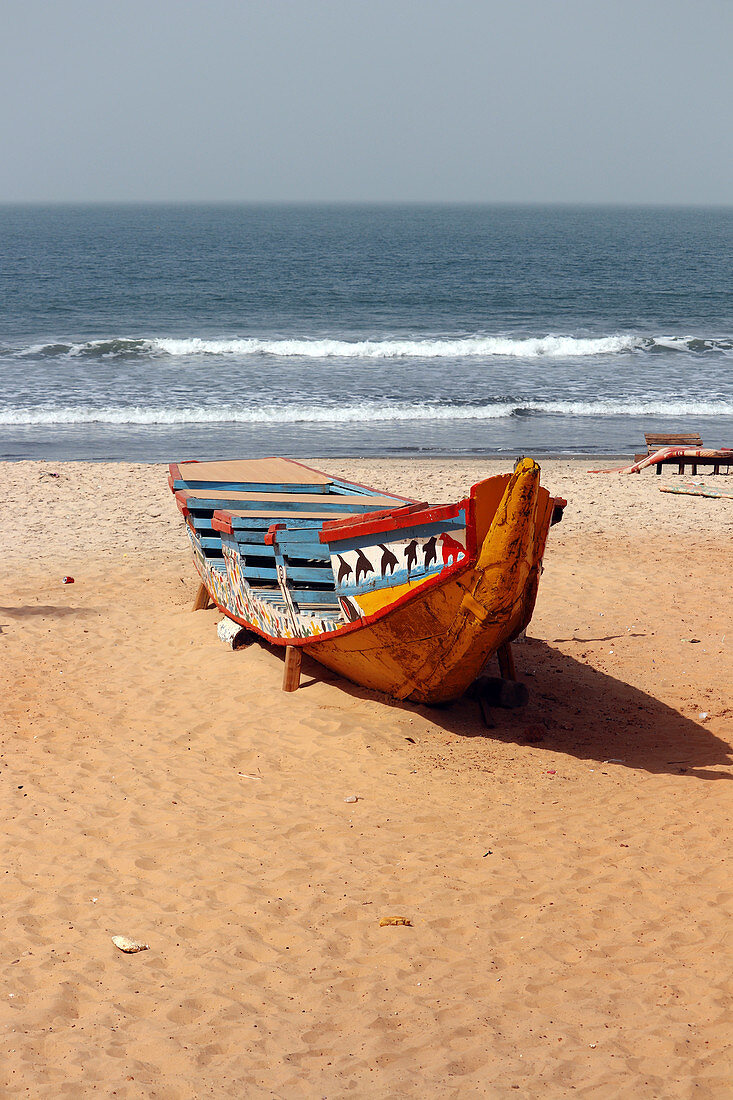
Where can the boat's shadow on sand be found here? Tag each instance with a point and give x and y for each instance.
(576, 709)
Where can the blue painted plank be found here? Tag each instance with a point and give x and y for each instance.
(324, 504)
(255, 550)
(248, 487)
(295, 573)
(207, 534)
(309, 551)
(310, 573)
(336, 487)
(247, 540)
(311, 597)
(264, 522)
(250, 536)
(270, 595)
(348, 487)
(202, 525)
(305, 532)
(259, 573)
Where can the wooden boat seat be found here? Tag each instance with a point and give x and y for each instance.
(261, 471)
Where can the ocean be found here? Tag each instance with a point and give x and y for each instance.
(151, 333)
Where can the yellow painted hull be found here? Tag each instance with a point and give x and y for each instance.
(434, 643)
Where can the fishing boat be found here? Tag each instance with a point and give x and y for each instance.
(400, 596)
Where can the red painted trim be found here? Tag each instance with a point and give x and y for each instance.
(221, 521)
(174, 474)
(373, 523)
(271, 535)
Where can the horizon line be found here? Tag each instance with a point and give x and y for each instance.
(514, 203)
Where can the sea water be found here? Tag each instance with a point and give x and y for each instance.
(163, 332)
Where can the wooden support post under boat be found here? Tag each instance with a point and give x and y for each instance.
(203, 599)
(496, 692)
(293, 660)
(506, 662)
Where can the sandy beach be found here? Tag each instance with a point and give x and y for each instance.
(566, 872)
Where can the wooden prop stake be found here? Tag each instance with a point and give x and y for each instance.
(291, 675)
(203, 599)
(506, 662)
(496, 692)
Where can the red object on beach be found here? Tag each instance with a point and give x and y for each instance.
(67, 580)
(721, 457)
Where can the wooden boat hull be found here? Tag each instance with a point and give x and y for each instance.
(433, 647)
(409, 599)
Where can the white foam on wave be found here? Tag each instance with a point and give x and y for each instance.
(631, 407)
(461, 347)
(358, 413)
(551, 346)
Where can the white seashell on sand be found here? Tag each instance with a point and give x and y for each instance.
(124, 943)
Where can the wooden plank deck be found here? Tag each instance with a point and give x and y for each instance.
(270, 471)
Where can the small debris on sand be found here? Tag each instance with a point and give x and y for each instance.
(124, 943)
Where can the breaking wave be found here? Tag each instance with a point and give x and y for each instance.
(362, 412)
(531, 347)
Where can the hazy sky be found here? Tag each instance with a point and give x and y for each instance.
(467, 100)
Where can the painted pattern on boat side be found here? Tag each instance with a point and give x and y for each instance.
(279, 616)
(270, 616)
(364, 568)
